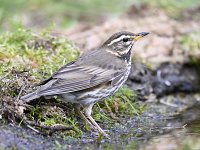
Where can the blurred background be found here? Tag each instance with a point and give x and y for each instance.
(173, 23)
(64, 14)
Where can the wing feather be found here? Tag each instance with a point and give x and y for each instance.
(76, 77)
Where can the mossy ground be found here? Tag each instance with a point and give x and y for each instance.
(89, 11)
(26, 59)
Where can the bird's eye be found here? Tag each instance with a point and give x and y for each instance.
(125, 39)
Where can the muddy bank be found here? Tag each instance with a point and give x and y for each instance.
(168, 78)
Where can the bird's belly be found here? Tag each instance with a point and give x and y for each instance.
(90, 96)
(99, 94)
(96, 95)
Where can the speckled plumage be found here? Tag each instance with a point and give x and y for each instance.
(93, 76)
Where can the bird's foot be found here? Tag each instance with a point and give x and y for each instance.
(97, 127)
(99, 135)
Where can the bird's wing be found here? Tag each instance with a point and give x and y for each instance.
(75, 77)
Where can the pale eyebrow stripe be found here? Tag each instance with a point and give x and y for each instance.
(119, 39)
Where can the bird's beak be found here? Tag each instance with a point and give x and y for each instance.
(139, 35)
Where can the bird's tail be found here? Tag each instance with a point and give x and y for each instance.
(29, 97)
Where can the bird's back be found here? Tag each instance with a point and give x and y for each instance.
(90, 70)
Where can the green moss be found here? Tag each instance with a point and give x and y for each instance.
(40, 54)
(122, 104)
(48, 115)
(26, 59)
(29, 58)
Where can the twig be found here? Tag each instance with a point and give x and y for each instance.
(168, 103)
(6, 75)
(35, 130)
(20, 92)
(50, 128)
(170, 128)
(26, 105)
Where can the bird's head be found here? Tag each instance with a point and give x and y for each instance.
(121, 43)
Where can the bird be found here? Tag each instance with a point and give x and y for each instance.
(92, 77)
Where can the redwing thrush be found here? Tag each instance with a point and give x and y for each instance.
(92, 77)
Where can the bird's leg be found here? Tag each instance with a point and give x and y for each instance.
(77, 106)
(88, 112)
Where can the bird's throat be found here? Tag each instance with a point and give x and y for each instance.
(126, 55)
